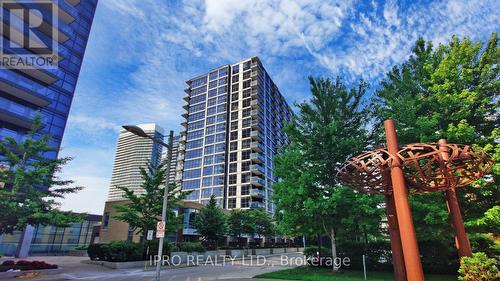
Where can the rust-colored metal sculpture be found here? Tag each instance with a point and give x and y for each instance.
(415, 168)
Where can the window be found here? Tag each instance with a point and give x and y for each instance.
(233, 156)
(198, 82)
(220, 147)
(210, 130)
(209, 149)
(234, 106)
(193, 195)
(245, 166)
(247, 93)
(219, 169)
(222, 90)
(222, 72)
(207, 171)
(217, 191)
(212, 84)
(213, 75)
(195, 134)
(232, 179)
(198, 91)
(194, 144)
(233, 146)
(220, 137)
(234, 125)
(221, 99)
(196, 125)
(234, 115)
(193, 153)
(221, 128)
(245, 189)
(190, 184)
(212, 101)
(219, 158)
(210, 120)
(245, 202)
(197, 107)
(246, 112)
(189, 174)
(234, 135)
(206, 193)
(221, 108)
(246, 103)
(245, 178)
(221, 117)
(105, 220)
(245, 144)
(218, 180)
(246, 65)
(236, 78)
(234, 97)
(192, 163)
(231, 203)
(245, 133)
(246, 122)
(231, 191)
(212, 93)
(222, 81)
(236, 68)
(211, 110)
(209, 139)
(208, 160)
(197, 99)
(245, 155)
(233, 167)
(196, 116)
(246, 84)
(246, 75)
(234, 88)
(206, 181)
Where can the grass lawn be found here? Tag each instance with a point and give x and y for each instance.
(325, 274)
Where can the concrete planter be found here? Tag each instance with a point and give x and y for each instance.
(117, 265)
(300, 249)
(238, 253)
(278, 250)
(261, 252)
(78, 253)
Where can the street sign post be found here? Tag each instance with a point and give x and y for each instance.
(160, 229)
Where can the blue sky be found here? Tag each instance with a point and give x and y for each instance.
(140, 52)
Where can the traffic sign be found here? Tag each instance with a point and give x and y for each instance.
(160, 229)
(150, 235)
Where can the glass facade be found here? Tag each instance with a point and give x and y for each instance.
(49, 92)
(233, 130)
(52, 239)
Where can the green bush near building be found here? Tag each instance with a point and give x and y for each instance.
(478, 268)
(190, 247)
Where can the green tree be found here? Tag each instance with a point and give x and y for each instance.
(31, 184)
(449, 91)
(237, 223)
(260, 223)
(327, 130)
(211, 222)
(143, 211)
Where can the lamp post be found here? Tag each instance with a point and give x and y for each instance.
(139, 132)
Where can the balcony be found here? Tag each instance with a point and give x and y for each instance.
(186, 98)
(257, 205)
(257, 114)
(257, 135)
(257, 125)
(257, 146)
(257, 169)
(255, 104)
(254, 83)
(185, 115)
(184, 124)
(180, 157)
(254, 74)
(258, 193)
(185, 105)
(257, 181)
(257, 157)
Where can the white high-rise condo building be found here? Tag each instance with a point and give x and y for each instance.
(233, 129)
(133, 152)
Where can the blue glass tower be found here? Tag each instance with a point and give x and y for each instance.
(32, 29)
(234, 120)
(48, 91)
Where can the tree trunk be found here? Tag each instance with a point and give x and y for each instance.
(334, 248)
(319, 244)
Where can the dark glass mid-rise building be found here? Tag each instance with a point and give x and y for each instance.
(233, 130)
(48, 91)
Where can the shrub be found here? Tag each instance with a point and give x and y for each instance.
(125, 251)
(82, 247)
(439, 257)
(9, 263)
(486, 243)
(190, 247)
(478, 268)
(168, 247)
(97, 251)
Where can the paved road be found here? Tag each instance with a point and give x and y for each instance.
(72, 269)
